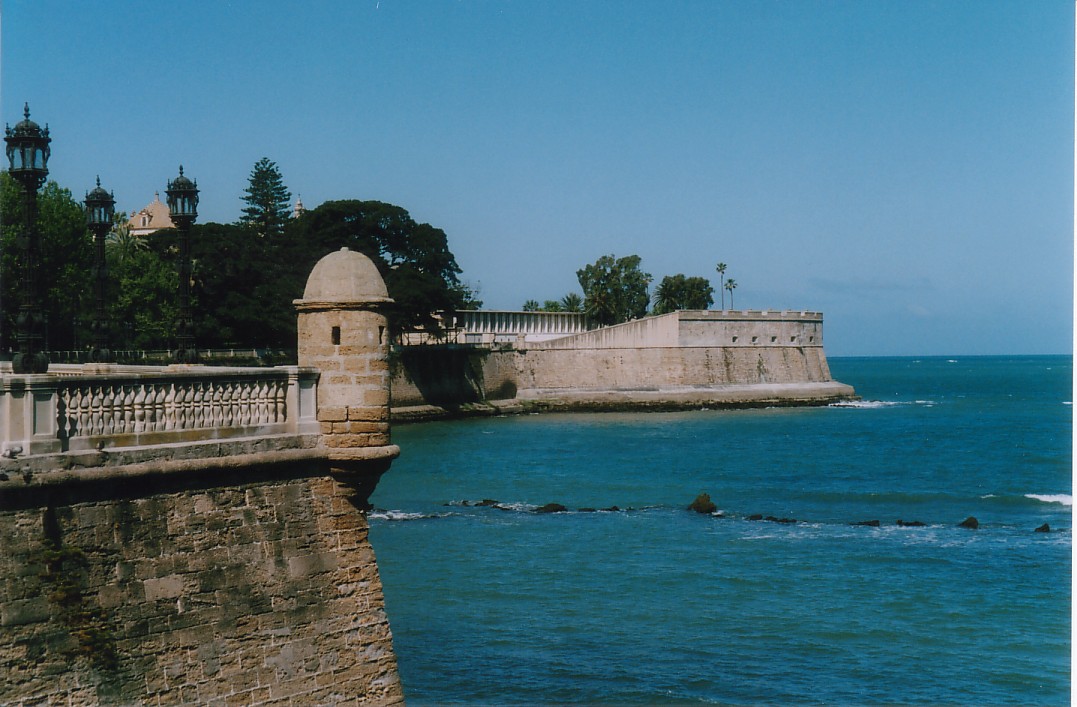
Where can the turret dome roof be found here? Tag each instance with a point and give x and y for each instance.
(345, 276)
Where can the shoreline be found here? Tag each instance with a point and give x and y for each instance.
(733, 397)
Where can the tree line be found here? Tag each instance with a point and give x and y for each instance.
(244, 277)
(617, 290)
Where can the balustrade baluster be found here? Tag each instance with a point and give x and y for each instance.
(186, 416)
(200, 394)
(140, 409)
(218, 405)
(84, 423)
(226, 402)
(264, 387)
(97, 411)
(172, 407)
(154, 400)
(125, 415)
(245, 400)
(63, 415)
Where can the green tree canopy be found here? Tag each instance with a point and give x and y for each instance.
(142, 292)
(677, 292)
(420, 271)
(65, 258)
(268, 200)
(614, 289)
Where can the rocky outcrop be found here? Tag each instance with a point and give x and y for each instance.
(703, 504)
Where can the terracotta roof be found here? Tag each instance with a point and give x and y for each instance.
(151, 218)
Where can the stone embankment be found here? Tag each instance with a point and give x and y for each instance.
(678, 361)
(198, 535)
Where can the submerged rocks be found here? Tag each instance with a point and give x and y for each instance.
(551, 508)
(971, 523)
(703, 504)
(910, 523)
(868, 523)
(772, 519)
(1045, 528)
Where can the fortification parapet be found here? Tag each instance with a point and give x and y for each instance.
(194, 535)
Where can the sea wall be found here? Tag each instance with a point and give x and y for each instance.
(193, 536)
(683, 359)
(252, 588)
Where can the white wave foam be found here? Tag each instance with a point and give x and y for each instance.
(401, 515)
(1063, 498)
(866, 404)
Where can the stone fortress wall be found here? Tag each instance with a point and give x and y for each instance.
(682, 359)
(192, 552)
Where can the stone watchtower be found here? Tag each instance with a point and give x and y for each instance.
(344, 334)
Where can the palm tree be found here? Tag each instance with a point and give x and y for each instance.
(721, 271)
(532, 305)
(121, 243)
(572, 302)
(731, 285)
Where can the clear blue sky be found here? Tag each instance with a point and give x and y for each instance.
(906, 167)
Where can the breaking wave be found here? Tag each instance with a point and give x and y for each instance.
(1063, 498)
(876, 404)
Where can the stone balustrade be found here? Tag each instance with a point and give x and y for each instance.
(75, 408)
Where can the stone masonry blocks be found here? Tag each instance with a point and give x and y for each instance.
(242, 603)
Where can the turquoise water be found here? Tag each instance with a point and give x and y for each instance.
(655, 604)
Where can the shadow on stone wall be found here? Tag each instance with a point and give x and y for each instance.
(448, 376)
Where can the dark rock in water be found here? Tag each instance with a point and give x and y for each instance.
(775, 519)
(486, 502)
(587, 510)
(868, 523)
(971, 523)
(612, 509)
(910, 523)
(551, 508)
(703, 504)
(1045, 528)
(756, 516)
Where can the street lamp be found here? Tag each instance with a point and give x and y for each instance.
(182, 196)
(100, 206)
(28, 155)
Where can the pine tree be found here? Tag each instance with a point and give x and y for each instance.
(268, 200)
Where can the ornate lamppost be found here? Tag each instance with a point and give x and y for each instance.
(100, 206)
(182, 196)
(28, 155)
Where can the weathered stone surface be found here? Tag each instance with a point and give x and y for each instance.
(971, 523)
(256, 594)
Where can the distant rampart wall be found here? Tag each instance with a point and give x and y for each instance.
(678, 358)
(703, 328)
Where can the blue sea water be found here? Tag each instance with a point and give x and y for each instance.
(654, 604)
